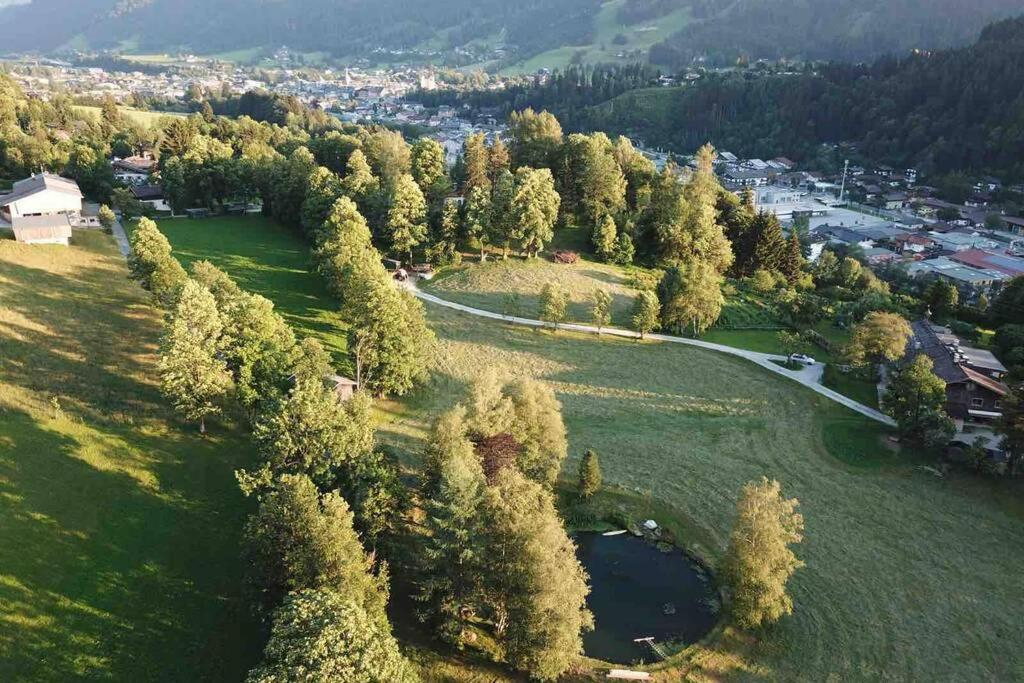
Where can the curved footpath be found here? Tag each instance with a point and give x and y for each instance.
(810, 377)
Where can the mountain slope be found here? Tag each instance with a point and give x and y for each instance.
(592, 30)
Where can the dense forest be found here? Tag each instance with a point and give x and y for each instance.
(849, 31)
(939, 111)
(340, 27)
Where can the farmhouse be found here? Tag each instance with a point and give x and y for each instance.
(42, 195)
(53, 229)
(133, 170)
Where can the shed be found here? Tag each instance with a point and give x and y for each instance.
(343, 387)
(55, 229)
(197, 213)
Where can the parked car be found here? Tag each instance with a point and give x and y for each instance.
(802, 358)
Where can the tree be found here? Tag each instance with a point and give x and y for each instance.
(444, 248)
(915, 398)
(489, 410)
(503, 222)
(299, 538)
(601, 309)
(106, 217)
(534, 586)
(538, 428)
(590, 474)
(387, 153)
(498, 159)
(312, 433)
(1011, 427)
(407, 214)
(769, 244)
(551, 307)
(359, 182)
(452, 567)
(604, 238)
(691, 296)
(791, 344)
(342, 241)
(535, 209)
(125, 202)
(646, 312)
(388, 338)
(192, 374)
(428, 165)
(324, 189)
(151, 264)
(477, 163)
(942, 297)
(534, 138)
(323, 635)
(624, 250)
(793, 260)
(879, 337)
(759, 561)
(478, 217)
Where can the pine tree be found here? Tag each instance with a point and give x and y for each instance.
(343, 238)
(477, 165)
(534, 586)
(590, 474)
(624, 250)
(601, 309)
(299, 538)
(444, 248)
(407, 216)
(604, 238)
(769, 244)
(793, 263)
(427, 165)
(192, 374)
(323, 635)
(498, 159)
(758, 561)
(502, 219)
(451, 571)
(646, 312)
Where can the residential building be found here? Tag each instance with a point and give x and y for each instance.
(970, 281)
(1011, 266)
(133, 170)
(152, 196)
(44, 194)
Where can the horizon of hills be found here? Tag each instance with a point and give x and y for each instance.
(531, 33)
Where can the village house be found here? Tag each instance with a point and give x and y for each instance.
(44, 194)
(151, 196)
(973, 377)
(133, 170)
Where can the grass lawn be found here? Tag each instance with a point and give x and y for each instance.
(268, 259)
(150, 119)
(485, 286)
(908, 576)
(119, 526)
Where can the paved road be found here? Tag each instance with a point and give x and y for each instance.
(810, 377)
(121, 238)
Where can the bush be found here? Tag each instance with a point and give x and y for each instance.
(644, 281)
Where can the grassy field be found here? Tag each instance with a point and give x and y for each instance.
(149, 119)
(486, 285)
(119, 526)
(267, 258)
(638, 39)
(908, 577)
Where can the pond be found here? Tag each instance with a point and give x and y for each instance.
(638, 591)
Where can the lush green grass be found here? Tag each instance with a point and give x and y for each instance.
(150, 119)
(119, 526)
(639, 37)
(486, 285)
(908, 576)
(268, 259)
(852, 385)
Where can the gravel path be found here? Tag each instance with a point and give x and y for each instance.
(810, 376)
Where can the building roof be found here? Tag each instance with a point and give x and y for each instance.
(135, 164)
(30, 228)
(147, 192)
(935, 344)
(979, 258)
(956, 271)
(38, 183)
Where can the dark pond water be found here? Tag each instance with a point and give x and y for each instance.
(638, 591)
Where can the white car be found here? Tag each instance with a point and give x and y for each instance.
(802, 358)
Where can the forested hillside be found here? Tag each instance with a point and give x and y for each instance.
(816, 29)
(340, 27)
(824, 29)
(955, 109)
